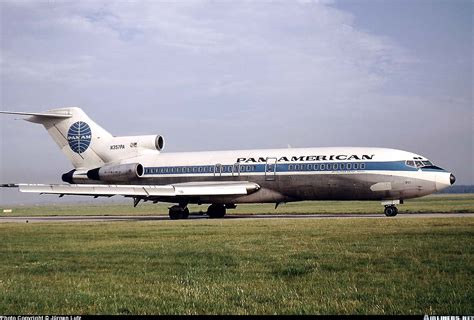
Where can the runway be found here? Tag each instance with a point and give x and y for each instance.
(75, 219)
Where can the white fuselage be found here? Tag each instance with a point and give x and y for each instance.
(345, 173)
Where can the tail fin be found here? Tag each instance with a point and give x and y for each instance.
(82, 140)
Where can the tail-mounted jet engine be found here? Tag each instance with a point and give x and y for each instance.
(107, 174)
(117, 173)
(137, 143)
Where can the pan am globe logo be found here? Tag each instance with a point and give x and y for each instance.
(79, 137)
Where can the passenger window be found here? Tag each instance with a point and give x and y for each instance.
(334, 166)
(362, 166)
(315, 167)
(310, 167)
(342, 166)
(356, 166)
(349, 166)
(323, 166)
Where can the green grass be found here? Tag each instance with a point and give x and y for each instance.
(283, 266)
(433, 203)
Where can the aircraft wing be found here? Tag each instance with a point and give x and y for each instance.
(143, 191)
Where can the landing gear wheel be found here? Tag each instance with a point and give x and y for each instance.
(391, 211)
(177, 212)
(216, 211)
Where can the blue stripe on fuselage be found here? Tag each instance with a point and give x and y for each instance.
(287, 167)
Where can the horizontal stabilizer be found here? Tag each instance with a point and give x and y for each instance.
(45, 115)
(144, 191)
(9, 185)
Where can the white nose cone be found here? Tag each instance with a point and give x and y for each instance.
(444, 180)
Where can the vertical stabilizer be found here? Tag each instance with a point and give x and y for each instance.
(82, 140)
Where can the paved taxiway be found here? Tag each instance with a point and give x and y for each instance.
(5, 219)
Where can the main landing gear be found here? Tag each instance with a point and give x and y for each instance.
(391, 211)
(215, 211)
(178, 212)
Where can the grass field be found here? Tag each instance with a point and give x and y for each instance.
(445, 203)
(281, 266)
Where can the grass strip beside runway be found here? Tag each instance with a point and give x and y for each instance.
(283, 266)
(459, 203)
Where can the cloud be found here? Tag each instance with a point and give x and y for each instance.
(269, 44)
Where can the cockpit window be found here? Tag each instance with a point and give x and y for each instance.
(419, 163)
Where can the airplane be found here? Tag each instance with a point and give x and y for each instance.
(136, 167)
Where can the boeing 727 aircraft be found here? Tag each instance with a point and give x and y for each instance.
(135, 167)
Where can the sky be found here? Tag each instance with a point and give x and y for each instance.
(223, 75)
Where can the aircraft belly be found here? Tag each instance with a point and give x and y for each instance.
(286, 188)
(389, 187)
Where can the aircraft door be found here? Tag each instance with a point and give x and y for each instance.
(236, 170)
(217, 170)
(270, 169)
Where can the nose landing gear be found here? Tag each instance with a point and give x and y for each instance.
(391, 211)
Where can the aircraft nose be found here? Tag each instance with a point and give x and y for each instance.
(452, 179)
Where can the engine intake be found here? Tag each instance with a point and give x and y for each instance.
(116, 173)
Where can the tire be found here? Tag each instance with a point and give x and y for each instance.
(391, 211)
(177, 213)
(185, 213)
(216, 211)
